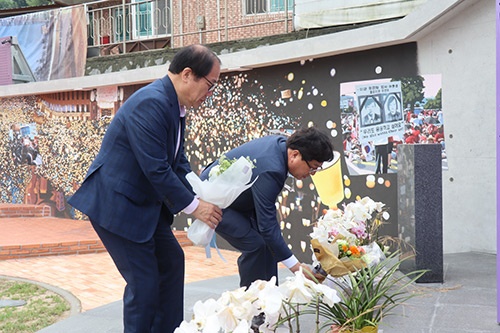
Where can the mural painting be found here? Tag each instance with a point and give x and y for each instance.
(66, 129)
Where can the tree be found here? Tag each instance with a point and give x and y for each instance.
(412, 89)
(8, 4)
(33, 3)
(434, 103)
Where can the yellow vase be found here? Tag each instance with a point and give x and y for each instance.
(328, 182)
(366, 329)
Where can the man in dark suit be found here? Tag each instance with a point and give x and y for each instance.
(137, 183)
(371, 112)
(250, 223)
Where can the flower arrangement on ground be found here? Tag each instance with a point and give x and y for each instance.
(348, 255)
(344, 241)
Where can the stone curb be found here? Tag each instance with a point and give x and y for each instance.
(74, 302)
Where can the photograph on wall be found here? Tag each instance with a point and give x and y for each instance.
(23, 141)
(378, 115)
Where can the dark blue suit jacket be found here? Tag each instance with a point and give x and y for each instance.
(271, 157)
(136, 171)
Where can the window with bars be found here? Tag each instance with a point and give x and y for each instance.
(266, 6)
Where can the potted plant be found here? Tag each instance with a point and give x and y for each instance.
(367, 296)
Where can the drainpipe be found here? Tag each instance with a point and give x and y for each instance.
(181, 36)
(218, 20)
(225, 18)
(124, 26)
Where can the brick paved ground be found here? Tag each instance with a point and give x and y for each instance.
(91, 277)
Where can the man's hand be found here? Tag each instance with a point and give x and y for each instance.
(308, 272)
(208, 213)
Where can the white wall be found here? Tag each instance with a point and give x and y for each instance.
(463, 51)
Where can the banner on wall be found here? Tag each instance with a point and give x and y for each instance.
(380, 111)
(54, 42)
(385, 112)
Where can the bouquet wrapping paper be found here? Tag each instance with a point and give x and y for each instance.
(220, 190)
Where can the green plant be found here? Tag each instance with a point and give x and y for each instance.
(43, 307)
(369, 294)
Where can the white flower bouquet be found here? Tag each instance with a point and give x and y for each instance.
(225, 183)
(344, 241)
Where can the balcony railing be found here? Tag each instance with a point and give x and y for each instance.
(148, 24)
(127, 22)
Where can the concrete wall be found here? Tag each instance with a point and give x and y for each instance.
(463, 51)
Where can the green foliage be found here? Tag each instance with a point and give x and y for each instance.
(367, 296)
(412, 89)
(38, 2)
(371, 294)
(9, 4)
(434, 103)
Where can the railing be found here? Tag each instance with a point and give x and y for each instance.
(123, 23)
(127, 22)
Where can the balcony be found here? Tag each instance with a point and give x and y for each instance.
(126, 26)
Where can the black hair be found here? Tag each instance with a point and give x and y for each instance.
(312, 144)
(197, 57)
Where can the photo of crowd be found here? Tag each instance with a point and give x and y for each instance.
(64, 151)
(421, 126)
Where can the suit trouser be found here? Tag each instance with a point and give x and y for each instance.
(256, 261)
(153, 300)
(382, 160)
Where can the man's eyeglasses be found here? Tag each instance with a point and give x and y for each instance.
(211, 85)
(313, 170)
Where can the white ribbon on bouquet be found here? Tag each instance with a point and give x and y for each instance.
(221, 191)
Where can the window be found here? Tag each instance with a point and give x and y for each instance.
(279, 5)
(119, 24)
(255, 6)
(266, 6)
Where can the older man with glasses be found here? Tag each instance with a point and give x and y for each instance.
(137, 183)
(250, 223)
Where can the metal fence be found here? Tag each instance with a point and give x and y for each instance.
(128, 22)
(136, 21)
